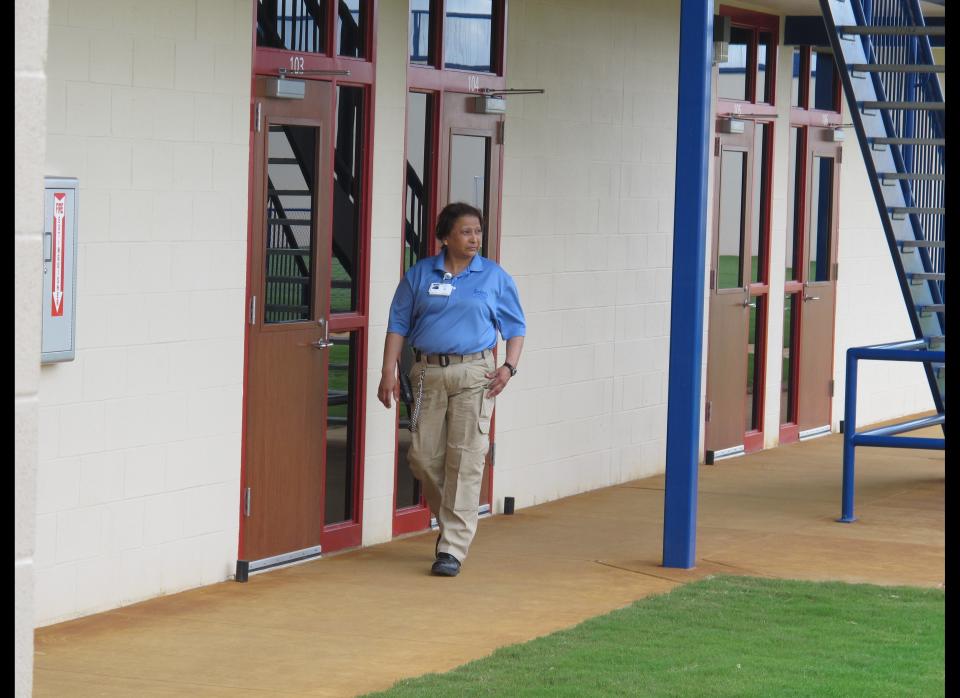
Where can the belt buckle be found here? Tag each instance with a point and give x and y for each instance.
(443, 359)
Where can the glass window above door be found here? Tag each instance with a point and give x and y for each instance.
(350, 33)
(749, 72)
(733, 82)
(464, 35)
(294, 25)
(468, 35)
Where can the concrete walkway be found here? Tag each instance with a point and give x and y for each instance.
(359, 621)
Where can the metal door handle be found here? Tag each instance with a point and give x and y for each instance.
(811, 298)
(748, 304)
(324, 343)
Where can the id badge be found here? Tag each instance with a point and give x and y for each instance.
(440, 289)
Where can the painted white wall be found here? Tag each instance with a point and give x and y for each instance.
(587, 230)
(138, 481)
(386, 230)
(30, 120)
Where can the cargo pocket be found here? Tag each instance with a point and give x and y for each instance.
(486, 412)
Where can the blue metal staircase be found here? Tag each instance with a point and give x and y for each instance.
(882, 49)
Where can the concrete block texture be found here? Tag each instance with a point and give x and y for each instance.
(29, 144)
(587, 216)
(30, 85)
(30, 30)
(26, 418)
(23, 627)
(139, 454)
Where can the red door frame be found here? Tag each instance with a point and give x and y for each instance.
(436, 80)
(362, 74)
(753, 439)
(802, 117)
(763, 113)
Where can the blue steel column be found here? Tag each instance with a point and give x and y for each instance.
(849, 431)
(686, 301)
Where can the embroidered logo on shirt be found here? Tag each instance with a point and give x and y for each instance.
(479, 293)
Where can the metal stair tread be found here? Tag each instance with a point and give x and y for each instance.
(289, 192)
(897, 68)
(919, 210)
(926, 275)
(932, 106)
(908, 141)
(890, 30)
(906, 244)
(927, 176)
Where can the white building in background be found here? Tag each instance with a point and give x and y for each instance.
(162, 455)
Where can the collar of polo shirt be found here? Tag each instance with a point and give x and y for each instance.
(476, 264)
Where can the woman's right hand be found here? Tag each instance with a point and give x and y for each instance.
(389, 387)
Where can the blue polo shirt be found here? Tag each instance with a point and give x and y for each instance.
(483, 301)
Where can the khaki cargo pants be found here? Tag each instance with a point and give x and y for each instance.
(449, 448)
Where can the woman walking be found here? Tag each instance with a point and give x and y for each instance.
(450, 308)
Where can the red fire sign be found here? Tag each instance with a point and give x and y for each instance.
(59, 218)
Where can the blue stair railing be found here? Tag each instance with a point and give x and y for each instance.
(885, 436)
(891, 83)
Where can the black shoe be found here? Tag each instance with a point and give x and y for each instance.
(446, 565)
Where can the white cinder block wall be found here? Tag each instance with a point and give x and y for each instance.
(387, 216)
(138, 480)
(30, 89)
(587, 231)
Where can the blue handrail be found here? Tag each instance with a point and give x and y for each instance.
(911, 350)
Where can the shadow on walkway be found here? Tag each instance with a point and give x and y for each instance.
(359, 621)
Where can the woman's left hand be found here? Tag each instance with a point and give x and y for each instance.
(499, 379)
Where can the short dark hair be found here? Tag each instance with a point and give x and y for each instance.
(449, 215)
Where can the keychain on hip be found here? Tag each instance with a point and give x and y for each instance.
(415, 417)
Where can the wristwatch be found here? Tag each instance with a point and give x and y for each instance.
(512, 370)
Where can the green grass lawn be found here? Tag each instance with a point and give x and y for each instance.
(725, 636)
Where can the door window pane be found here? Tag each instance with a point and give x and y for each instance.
(416, 235)
(823, 81)
(468, 35)
(754, 401)
(409, 489)
(733, 172)
(733, 83)
(765, 76)
(788, 372)
(419, 32)
(341, 424)
(821, 209)
(469, 166)
(289, 240)
(795, 80)
(758, 240)
(796, 218)
(294, 25)
(351, 19)
(347, 199)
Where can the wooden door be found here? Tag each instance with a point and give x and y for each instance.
(288, 312)
(819, 277)
(730, 299)
(470, 171)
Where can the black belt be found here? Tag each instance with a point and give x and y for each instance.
(445, 359)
